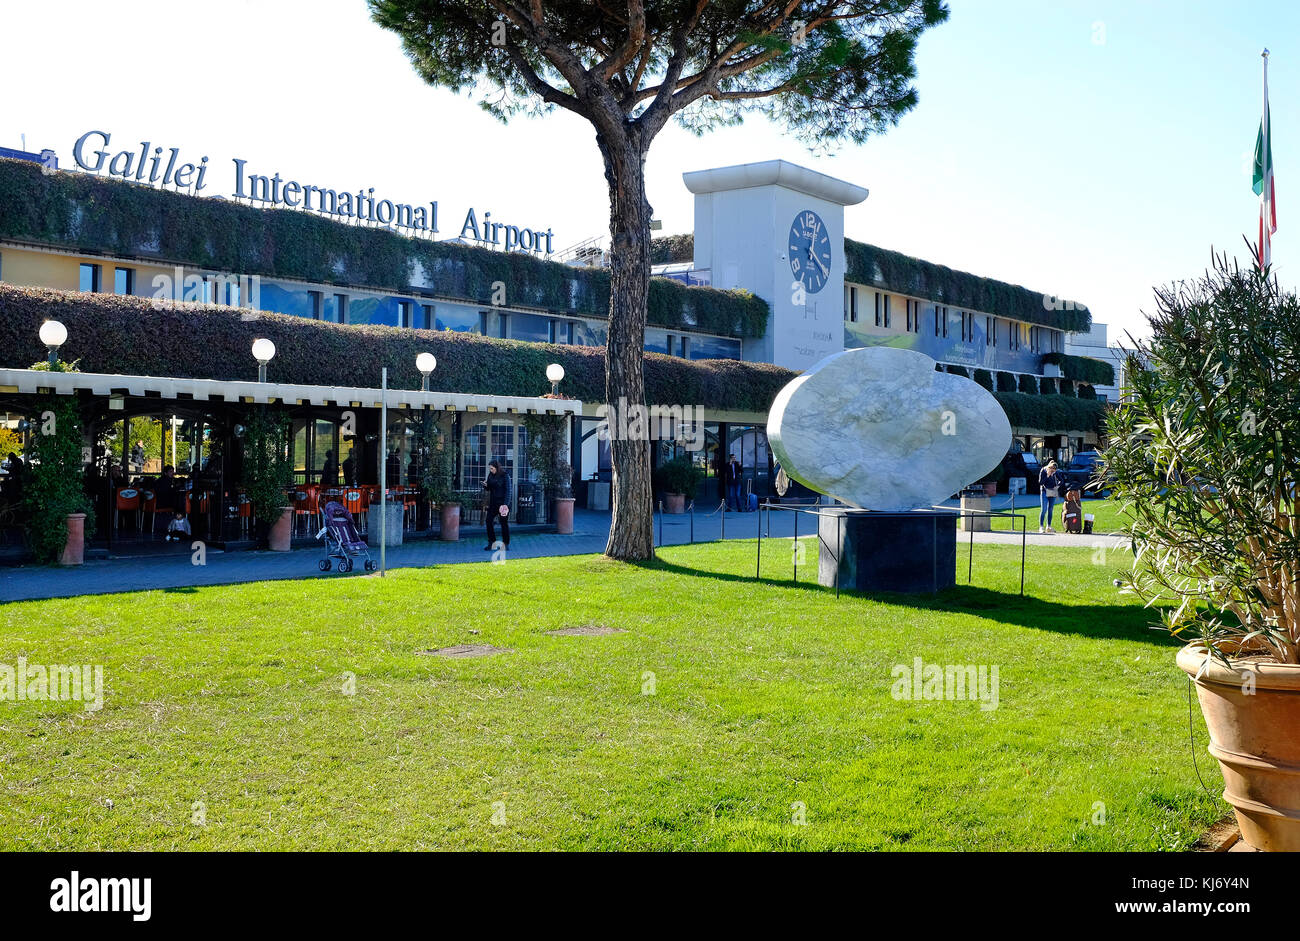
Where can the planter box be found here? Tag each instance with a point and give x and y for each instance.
(396, 517)
(564, 515)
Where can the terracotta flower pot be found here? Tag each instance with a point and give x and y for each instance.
(449, 519)
(564, 515)
(74, 550)
(281, 533)
(674, 503)
(1255, 734)
(991, 488)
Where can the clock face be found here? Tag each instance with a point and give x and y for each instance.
(810, 251)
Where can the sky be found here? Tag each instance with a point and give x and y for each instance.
(1089, 150)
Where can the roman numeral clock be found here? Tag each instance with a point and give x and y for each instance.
(810, 251)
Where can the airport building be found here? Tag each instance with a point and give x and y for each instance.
(768, 281)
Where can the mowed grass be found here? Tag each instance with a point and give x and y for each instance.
(724, 710)
(1109, 515)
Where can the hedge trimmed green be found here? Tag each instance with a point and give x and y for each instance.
(1052, 413)
(134, 336)
(894, 271)
(1096, 372)
(869, 264)
(89, 213)
(672, 249)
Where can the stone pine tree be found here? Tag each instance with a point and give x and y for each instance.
(829, 71)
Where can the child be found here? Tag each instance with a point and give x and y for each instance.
(178, 528)
(1074, 512)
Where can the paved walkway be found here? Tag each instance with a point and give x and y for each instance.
(591, 530)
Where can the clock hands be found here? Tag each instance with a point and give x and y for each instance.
(825, 271)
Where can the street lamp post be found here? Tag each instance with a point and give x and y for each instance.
(263, 352)
(555, 372)
(53, 334)
(426, 363)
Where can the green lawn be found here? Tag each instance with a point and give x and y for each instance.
(764, 699)
(1106, 513)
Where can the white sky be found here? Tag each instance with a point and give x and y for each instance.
(1038, 154)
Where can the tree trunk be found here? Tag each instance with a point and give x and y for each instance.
(631, 529)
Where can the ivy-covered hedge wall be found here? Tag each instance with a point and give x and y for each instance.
(134, 336)
(90, 213)
(1096, 372)
(1052, 413)
(869, 264)
(669, 249)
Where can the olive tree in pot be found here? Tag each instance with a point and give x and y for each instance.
(1205, 452)
(268, 474)
(60, 518)
(547, 444)
(676, 480)
(438, 480)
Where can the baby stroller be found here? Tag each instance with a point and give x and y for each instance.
(342, 541)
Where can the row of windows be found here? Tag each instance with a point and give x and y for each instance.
(401, 312)
(91, 276)
(1040, 339)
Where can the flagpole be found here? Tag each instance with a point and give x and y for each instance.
(1265, 236)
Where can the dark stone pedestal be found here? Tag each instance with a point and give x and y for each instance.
(907, 552)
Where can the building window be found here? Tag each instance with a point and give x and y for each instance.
(315, 304)
(482, 323)
(886, 311)
(684, 347)
(937, 309)
(990, 331)
(670, 344)
(341, 306)
(124, 281)
(503, 325)
(879, 322)
(850, 304)
(430, 316)
(90, 279)
(943, 318)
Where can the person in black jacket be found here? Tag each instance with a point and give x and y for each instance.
(497, 486)
(732, 477)
(1049, 489)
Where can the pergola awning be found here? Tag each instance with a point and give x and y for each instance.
(33, 381)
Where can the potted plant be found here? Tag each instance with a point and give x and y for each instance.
(1205, 452)
(438, 479)
(676, 479)
(59, 515)
(546, 446)
(268, 474)
(991, 480)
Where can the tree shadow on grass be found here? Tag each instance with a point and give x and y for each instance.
(1106, 621)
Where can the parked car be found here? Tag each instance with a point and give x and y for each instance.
(1022, 464)
(1081, 474)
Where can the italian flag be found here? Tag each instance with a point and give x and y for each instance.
(1262, 181)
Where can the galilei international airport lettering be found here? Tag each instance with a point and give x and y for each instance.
(156, 165)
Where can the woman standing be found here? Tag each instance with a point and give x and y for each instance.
(1049, 488)
(497, 505)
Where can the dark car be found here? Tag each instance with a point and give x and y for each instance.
(1082, 474)
(1022, 464)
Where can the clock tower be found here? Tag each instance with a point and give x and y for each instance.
(777, 229)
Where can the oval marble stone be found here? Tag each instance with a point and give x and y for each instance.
(879, 428)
